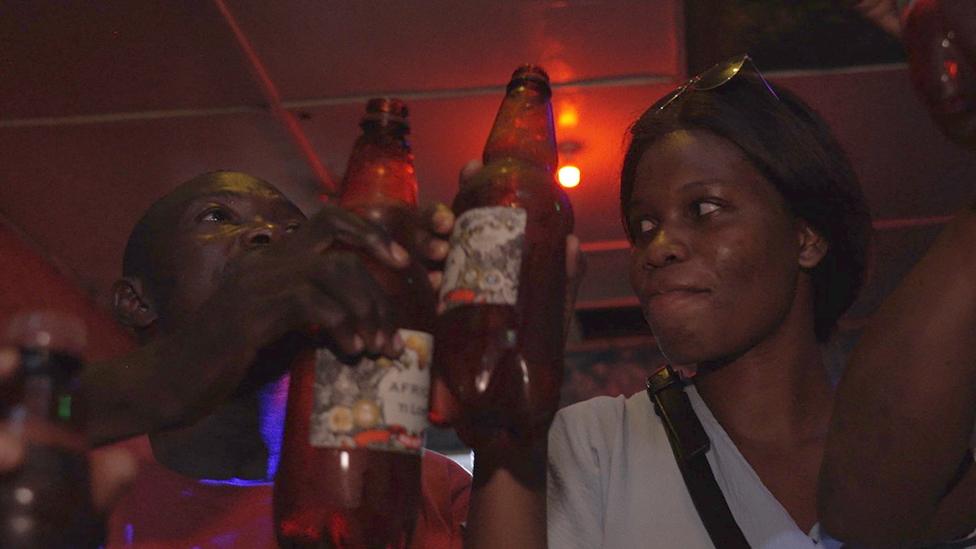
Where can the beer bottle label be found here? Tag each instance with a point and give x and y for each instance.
(485, 260)
(380, 404)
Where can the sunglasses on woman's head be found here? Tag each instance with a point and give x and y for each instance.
(717, 76)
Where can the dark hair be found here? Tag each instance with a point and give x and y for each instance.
(794, 149)
(136, 259)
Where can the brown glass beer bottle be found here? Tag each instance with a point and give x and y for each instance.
(46, 502)
(349, 474)
(499, 334)
(940, 39)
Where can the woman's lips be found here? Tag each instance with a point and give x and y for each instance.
(669, 301)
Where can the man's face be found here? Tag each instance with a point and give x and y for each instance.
(201, 227)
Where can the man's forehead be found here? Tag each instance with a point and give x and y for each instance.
(219, 185)
(229, 186)
(164, 217)
(226, 186)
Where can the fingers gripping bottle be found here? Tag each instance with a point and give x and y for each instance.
(499, 334)
(349, 474)
(47, 502)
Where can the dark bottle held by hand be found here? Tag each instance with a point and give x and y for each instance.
(500, 331)
(349, 474)
(46, 502)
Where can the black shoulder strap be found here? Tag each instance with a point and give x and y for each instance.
(690, 443)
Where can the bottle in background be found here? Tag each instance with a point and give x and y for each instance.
(47, 502)
(349, 474)
(940, 39)
(500, 331)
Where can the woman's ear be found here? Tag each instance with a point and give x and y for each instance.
(131, 306)
(813, 246)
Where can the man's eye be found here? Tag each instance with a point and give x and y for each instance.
(645, 226)
(706, 208)
(215, 215)
(292, 227)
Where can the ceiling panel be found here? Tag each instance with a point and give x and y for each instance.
(73, 58)
(63, 59)
(324, 49)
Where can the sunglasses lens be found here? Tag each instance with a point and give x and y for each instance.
(720, 74)
(715, 77)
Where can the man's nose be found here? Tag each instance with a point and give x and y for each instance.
(261, 234)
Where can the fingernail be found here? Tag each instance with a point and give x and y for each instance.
(357, 343)
(11, 451)
(379, 340)
(443, 219)
(435, 278)
(9, 358)
(397, 343)
(572, 242)
(399, 254)
(439, 248)
(470, 168)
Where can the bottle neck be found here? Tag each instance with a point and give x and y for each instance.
(524, 127)
(50, 385)
(380, 171)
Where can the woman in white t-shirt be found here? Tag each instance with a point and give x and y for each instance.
(749, 234)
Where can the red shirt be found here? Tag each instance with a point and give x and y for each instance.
(164, 509)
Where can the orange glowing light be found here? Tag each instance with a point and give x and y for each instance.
(951, 68)
(568, 117)
(569, 176)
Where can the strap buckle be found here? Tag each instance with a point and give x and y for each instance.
(662, 379)
(671, 404)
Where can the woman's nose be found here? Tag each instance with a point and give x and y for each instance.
(664, 249)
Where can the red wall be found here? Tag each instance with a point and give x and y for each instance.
(29, 281)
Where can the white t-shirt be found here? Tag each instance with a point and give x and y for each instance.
(614, 483)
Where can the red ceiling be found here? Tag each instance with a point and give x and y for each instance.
(70, 58)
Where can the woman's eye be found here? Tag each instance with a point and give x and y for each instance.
(215, 215)
(645, 226)
(292, 227)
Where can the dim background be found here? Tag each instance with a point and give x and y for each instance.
(105, 106)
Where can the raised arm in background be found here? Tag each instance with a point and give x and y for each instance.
(906, 407)
(896, 468)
